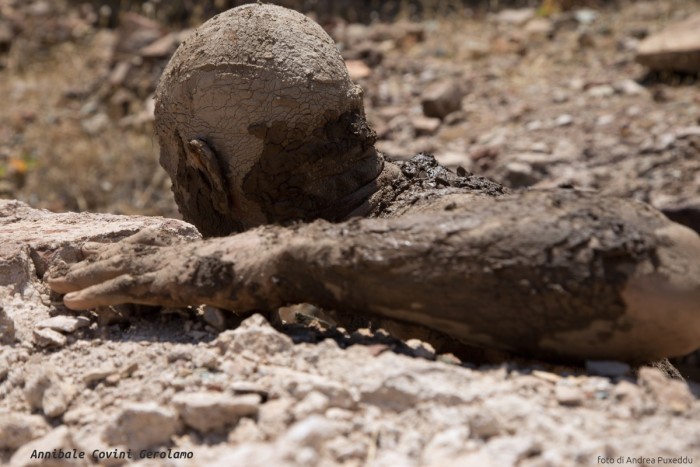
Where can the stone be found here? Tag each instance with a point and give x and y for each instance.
(425, 125)
(607, 368)
(630, 87)
(600, 91)
(45, 390)
(142, 425)
(568, 395)
(161, 48)
(357, 69)
(63, 323)
(256, 336)
(17, 429)
(313, 403)
(540, 28)
(214, 411)
(564, 120)
(95, 124)
(205, 358)
(60, 440)
(49, 338)
(520, 174)
(675, 48)
(515, 17)
(585, 16)
(442, 97)
(98, 374)
(246, 387)
(311, 431)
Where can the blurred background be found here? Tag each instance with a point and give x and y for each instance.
(530, 93)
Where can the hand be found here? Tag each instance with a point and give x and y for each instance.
(147, 268)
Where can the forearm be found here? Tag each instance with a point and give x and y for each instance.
(544, 272)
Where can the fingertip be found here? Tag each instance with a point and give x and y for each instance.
(92, 248)
(59, 284)
(75, 301)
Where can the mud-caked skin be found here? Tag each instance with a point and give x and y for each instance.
(267, 93)
(252, 139)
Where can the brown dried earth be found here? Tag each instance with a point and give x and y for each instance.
(527, 99)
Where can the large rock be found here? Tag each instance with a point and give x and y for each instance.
(32, 239)
(675, 48)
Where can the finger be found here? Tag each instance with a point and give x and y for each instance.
(95, 248)
(83, 275)
(120, 290)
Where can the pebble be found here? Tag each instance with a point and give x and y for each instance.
(313, 403)
(602, 90)
(142, 425)
(311, 431)
(205, 358)
(49, 338)
(515, 17)
(425, 125)
(246, 387)
(629, 87)
(64, 323)
(568, 395)
(585, 16)
(357, 69)
(520, 174)
(17, 429)
(98, 374)
(45, 390)
(564, 120)
(441, 98)
(213, 411)
(541, 28)
(255, 336)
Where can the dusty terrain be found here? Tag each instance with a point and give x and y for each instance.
(542, 100)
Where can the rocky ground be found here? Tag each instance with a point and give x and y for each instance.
(527, 97)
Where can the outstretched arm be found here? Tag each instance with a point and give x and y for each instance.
(549, 273)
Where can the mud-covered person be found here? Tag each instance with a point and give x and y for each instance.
(264, 137)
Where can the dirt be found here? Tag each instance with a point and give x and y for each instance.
(559, 105)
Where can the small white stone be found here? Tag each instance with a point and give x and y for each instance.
(142, 425)
(49, 338)
(568, 395)
(64, 323)
(212, 411)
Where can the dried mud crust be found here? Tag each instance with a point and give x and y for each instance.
(519, 272)
(407, 185)
(316, 178)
